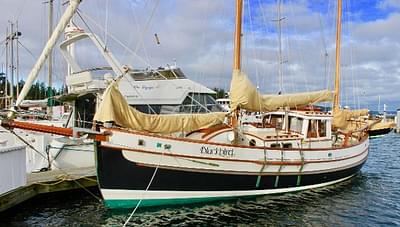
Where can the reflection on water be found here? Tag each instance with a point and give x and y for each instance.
(372, 198)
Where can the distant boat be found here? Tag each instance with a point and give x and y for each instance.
(380, 127)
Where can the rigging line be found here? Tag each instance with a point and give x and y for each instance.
(3, 41)
(324, 45)
(147, 25)
(347, 67)
(98, 41)
(265, 22)
(123, 45)
(51, 163)
(79, 14)
(147, 188)
(28, 144)
(300, 53)
(27, 50)
(106, 25)
(31, 54)
(82, 14)
(2, 52)
(351, 56)
(131, 34)
(254, 51)
(21, 9)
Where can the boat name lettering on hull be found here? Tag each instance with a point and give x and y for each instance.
(224, 152)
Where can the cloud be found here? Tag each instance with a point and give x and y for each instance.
(198, 35)
(389, 4)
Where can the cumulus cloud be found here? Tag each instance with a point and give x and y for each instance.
(198, 36)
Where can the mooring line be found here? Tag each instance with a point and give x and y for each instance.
(147, 188)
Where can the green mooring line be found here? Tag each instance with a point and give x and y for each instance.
(258, 181)
(298, 180)
(276, 181)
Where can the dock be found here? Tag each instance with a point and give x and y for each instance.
(49, 181)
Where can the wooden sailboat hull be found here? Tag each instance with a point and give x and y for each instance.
(130, 173)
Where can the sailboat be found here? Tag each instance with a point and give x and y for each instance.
(155, 160)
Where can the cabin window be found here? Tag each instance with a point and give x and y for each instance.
(312, 129)
(193, 103)
(273, 121)
(322, 128)
(159, 74)
(287, 145)
(295, 124)
(275, 145)
(252, 142)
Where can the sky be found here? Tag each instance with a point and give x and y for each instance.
(198, 35)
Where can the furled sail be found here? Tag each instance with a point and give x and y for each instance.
(373, 125)
(341, 118)
(115, 108)
(243, 94)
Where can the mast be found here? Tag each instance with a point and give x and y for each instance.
(337, 72)
(238, 34)
(12, 35)
(279, 21)
(58, 30)
(50, 64)
(6, 76)
(237, 61)
(17, 60)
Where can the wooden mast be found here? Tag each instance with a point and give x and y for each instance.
(238, 34)
(337, 72)
(237, 61)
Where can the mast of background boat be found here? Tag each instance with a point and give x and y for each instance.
(337, 72)
(11, 38)
(58, 30)
(6, 76)
(237, 58)
(279, 20)
(18, 33)
(50, 64)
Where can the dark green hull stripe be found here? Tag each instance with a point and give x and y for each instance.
(120, 203)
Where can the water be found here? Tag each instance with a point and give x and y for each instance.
(372, 198)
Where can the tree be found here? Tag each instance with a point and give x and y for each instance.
(220, 93)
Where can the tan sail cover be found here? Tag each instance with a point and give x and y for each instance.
(115, 108)
(243, 94)
(380, 125)
(341, 118)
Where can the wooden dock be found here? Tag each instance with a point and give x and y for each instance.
(49, 181)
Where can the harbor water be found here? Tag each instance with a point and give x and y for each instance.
(372, 198)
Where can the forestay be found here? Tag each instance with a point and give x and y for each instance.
(114, 108)
(244, 95)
